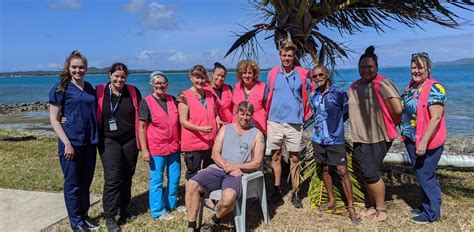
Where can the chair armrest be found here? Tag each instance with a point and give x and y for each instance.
(251, 176)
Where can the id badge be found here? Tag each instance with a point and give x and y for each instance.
(112, 125)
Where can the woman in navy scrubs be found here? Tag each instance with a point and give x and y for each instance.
(117, 114)
(74, 99)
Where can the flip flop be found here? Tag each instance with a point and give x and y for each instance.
(379, 211)
(355, 220)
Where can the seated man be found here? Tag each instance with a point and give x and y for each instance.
(238, 149)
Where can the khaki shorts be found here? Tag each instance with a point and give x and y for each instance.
(279, 133)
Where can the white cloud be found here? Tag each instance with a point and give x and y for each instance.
(158, 16)
(133, 6)
(64, 4)
(146, 55)
(178, 56)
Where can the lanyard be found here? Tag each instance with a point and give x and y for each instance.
(113, 109)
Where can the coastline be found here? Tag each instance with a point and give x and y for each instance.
(32, 119)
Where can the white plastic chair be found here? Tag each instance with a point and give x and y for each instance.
(253, 185)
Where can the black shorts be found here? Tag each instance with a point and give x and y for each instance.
(334, 155)
(193, 160)
(369, 157)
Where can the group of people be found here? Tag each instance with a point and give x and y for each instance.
(222, 132)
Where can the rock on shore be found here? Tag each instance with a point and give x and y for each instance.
(6, 109)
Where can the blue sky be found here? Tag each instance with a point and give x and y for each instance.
(159, 34)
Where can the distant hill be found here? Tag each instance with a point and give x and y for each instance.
(91, 70)
(460, 62)
(94, 70)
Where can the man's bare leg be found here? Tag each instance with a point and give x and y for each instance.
(295, 178)
(192, 200)
(276, 197)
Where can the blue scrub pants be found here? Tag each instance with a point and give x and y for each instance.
(78, 174)
(425, 167)
(160, 202)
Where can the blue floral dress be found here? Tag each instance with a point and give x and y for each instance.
(409, 100)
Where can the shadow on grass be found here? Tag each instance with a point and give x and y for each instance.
(139, 204)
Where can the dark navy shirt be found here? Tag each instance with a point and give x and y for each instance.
(329, 110)
(79, 108)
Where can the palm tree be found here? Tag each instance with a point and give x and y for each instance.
(301, 20)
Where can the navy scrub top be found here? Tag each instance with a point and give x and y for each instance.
(79, 108)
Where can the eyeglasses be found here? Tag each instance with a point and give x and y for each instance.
(318, 75)
(420, 54)
(161, 83)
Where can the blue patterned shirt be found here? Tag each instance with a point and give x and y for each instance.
(410, 104)
(329, 110)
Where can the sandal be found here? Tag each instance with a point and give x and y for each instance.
(380, 211)
(327, 206)
(355, 220)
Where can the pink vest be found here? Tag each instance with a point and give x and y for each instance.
(100, 89)
(200, 116)
(304, 73)
(390, 126)
(225, 104)
(423, 117)
(163, 131)
(256, 98)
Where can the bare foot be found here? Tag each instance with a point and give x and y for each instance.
(210, 204)
(381, 216)
(369, 212)
(329, 206)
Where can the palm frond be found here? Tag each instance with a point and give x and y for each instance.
(303, 18)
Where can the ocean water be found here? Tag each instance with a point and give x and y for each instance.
(458, 81)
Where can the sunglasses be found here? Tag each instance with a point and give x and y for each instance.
(318, 75)
(420, 54)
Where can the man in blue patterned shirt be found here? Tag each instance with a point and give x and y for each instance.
(329, 105)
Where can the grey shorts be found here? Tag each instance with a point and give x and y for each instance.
(211, 179)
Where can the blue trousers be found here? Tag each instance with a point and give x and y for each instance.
(159, 201)
(425, 167)
(78, 174)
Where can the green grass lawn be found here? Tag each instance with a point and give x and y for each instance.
(34, 165)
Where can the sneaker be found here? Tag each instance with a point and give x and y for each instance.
(181, 209)
(419, 220)
(92, 225)
(276, 198)
(296, 201)
(415, 212)
(166, 217)
(112, 225)
(208, 227)
(81, 228)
